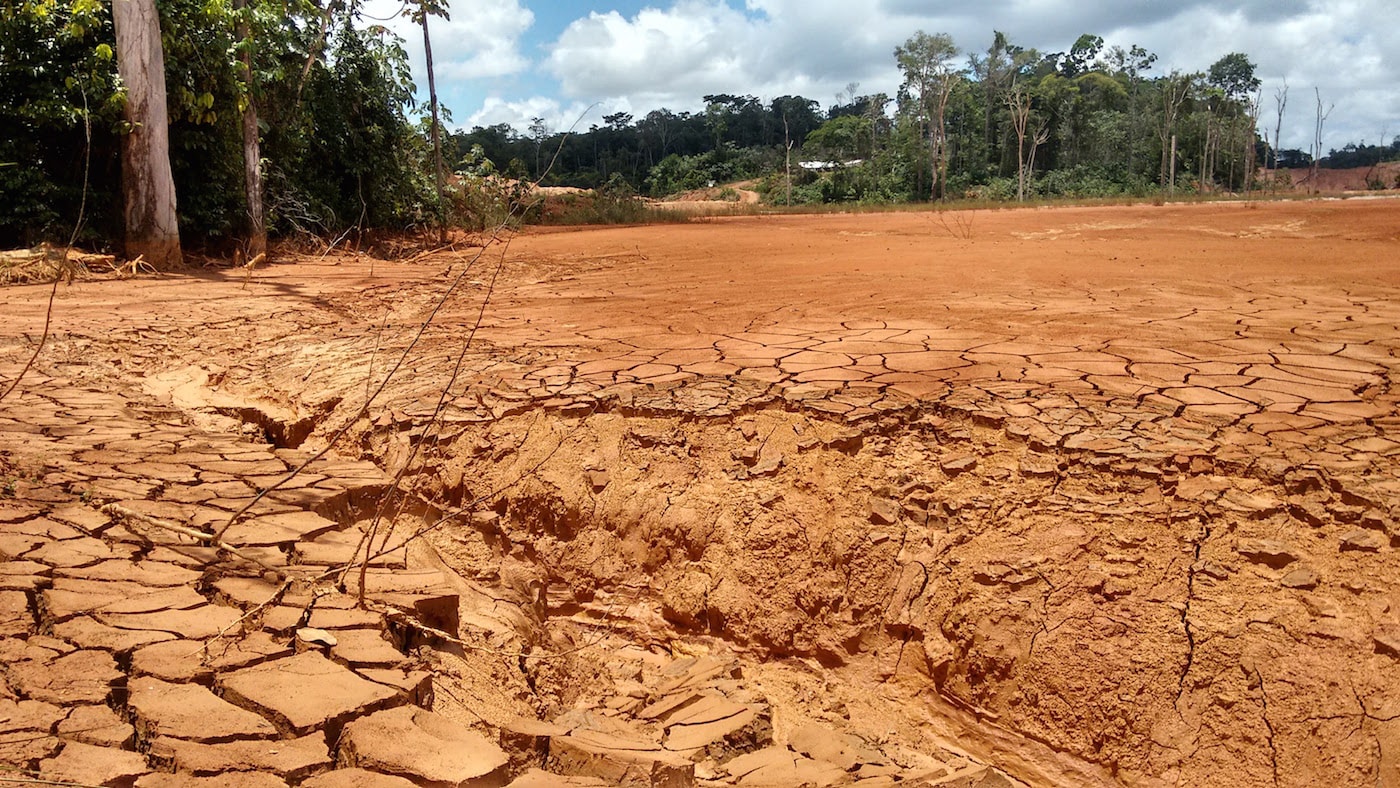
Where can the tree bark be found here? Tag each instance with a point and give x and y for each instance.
(148, 189)
(1020, 105)
(1172, 163)
(252, 152)
(437, 135)
(787, 145)
(1281, 104)
(1317, 138)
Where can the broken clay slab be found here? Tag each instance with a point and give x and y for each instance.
(424, 747)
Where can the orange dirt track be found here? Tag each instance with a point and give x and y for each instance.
(1069, 496)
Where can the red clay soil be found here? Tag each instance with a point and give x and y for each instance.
(1351, 179)
(1090, 495)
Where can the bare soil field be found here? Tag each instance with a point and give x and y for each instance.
(1066, 496)
(1357, 179)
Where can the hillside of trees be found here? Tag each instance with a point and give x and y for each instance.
(1001, 123)
(301, 119)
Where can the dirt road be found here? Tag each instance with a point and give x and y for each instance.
(1088, 494)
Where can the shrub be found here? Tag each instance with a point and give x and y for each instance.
(616, 202)
(1079, 182)
(675, 173)
(479, 198)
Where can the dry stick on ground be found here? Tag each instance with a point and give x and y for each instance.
(432, 423)
(341, 571)
(44, 338)
(247, 615)
(400, 617)
(962, 225)
(342, 237)
(61, 271)
(472, 505)
(364, 409)
(38, 780)
(367, 541)
(384, 384)
(131, 268)
(250, 265)
(212, 539)
(344, 569)
(123, 512)
(466, 508)
(374, 354)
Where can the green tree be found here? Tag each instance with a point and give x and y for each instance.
(1232, 78)
(719, 112)
(1080, 58)
(840, 138)
(928, 63)
(58, 80)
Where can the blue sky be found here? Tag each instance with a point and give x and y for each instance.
(506, 61)
(551, 19)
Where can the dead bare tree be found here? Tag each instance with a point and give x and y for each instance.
(787, 146)
(1321, 119)
(1371, 177)
(1039, 138)
(1280, 105)
(1174, 91)
(1018, 100)
(1250, 163)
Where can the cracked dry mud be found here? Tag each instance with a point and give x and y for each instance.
(1091, 496)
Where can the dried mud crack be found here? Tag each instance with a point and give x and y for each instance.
(1085, 525)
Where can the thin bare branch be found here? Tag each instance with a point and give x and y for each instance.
(207, 538)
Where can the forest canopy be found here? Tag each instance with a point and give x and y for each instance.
(342, 141)
(999, 123)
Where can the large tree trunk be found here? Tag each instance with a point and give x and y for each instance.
(252, 153)
(148, 190)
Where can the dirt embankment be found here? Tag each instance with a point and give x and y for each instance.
(1137, 511)
(1095, 494)
(1146, 614)
(1353, 179)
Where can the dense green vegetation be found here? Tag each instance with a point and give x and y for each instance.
(1002, 123)
(345, 145)
(341, 140)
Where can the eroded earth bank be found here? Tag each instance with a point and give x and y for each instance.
(1064, 497)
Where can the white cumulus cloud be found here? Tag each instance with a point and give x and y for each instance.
(557, 115)
(674, 54)
(481, 40)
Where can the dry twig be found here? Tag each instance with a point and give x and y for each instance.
(63, 270)
(206, 538)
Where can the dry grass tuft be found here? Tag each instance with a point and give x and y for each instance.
(45, 263)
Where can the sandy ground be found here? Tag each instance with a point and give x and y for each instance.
(711, 201)
(1091, 494)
